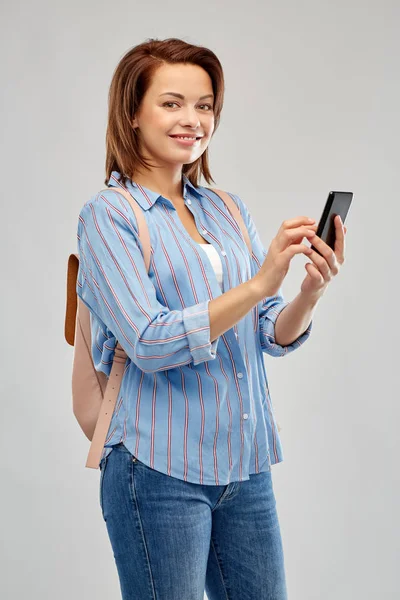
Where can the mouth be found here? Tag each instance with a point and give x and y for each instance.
(192, 137)
(186, 140)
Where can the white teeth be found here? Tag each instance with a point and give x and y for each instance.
(184, 138)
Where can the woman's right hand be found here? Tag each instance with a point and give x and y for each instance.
(283, 247)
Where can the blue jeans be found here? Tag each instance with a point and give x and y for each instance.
(173, 540)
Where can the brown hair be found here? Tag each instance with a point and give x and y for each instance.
(131, 79)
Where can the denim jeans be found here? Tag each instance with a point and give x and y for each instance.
(173, 540)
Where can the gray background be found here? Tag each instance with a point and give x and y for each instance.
(312, 104)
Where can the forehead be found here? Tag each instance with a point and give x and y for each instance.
(183, 78)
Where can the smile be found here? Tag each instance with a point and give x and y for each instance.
(187, 141)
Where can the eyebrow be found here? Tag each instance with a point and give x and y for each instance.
(183, 97)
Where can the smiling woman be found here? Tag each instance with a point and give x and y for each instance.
(168, 270)
(166, 84)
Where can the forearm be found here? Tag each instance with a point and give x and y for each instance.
(229, 308)
(295, 318)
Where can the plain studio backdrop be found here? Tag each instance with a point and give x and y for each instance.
(312, 105)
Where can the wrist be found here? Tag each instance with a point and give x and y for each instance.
(311, 298)
(257, 289)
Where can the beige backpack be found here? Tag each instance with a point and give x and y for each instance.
(93, 394)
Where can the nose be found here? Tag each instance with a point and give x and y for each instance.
(190, 118)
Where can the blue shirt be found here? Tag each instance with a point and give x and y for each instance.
(189, 408)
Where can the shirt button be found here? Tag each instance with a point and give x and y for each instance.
(204, 232)
(189, 201)
(240, 375)
(245, 416)
(237, 335)
(223, 253)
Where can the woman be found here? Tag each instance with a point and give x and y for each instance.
(186, 489)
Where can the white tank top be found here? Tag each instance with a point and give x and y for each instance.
(215, 261)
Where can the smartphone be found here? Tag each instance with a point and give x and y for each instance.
(338, 203)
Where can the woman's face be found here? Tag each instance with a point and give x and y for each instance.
(163, 114)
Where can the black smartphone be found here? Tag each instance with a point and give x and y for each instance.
(338, 203)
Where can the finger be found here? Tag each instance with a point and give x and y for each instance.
(292, 236)
(323, 266)
(329, 255)
(297, 222)
(339, 240)
(293, 249)
(314, 273)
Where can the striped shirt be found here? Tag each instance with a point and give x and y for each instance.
(193, 409)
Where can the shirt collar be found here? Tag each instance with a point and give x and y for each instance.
(144, 196)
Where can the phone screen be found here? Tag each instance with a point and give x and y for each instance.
(338, 203)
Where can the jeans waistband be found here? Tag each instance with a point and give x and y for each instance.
(120, 447)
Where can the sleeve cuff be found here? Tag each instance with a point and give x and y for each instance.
(267, 333)
(196, 321)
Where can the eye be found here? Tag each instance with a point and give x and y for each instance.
(208, 105)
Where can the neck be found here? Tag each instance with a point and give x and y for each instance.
(169, 185)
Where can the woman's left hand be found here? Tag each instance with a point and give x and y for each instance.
(323, 268)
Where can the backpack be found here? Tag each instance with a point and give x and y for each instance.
(93, 394)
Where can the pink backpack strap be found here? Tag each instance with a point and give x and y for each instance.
(235, 212)
(143, 230)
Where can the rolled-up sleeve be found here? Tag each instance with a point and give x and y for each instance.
(196, 320)
(113, 282)
(268, 309)
(269, 312)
